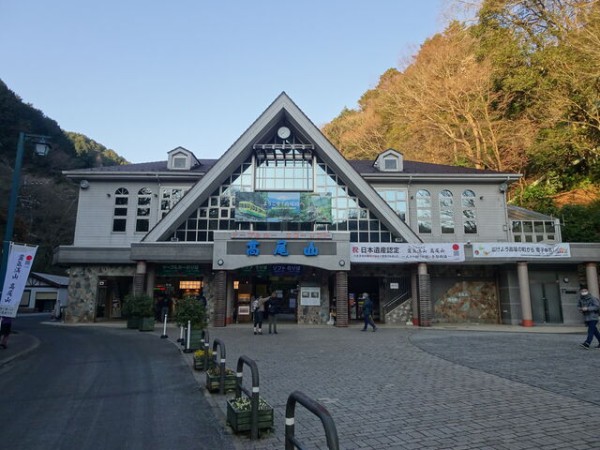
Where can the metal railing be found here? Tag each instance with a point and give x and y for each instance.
(395, 302)
(217, 343)
(317, 409)
(253, 394)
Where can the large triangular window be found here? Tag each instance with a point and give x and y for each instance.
(296, 171)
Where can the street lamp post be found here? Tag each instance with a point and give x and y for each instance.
(41, 148)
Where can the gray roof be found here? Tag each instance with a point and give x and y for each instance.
(416, 167)
(55, 280)
(518, 213)
(361, 166)
(156, 166)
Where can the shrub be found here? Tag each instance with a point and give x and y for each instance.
(139, 305)
(190, 309)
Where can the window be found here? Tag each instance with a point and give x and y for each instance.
(446, 212)
(169, 198)
(390, 163)
(396, 198)
(284, 170)
(120, 210)
(534, 231)
(424, 211)
(179, 162)
(468, 210)
(348, 213)
(142, 222)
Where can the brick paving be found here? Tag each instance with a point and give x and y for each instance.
(414, 388)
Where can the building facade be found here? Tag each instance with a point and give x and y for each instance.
(282, 210)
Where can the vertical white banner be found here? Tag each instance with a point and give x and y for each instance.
(20, 260)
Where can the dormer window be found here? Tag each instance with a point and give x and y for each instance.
(180, 162)
(181, 159)
(389, 161)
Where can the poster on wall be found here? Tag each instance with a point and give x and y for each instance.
(521, 250)
(394, 253)
(282, 207)
(310, 296)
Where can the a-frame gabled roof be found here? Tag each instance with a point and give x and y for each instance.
(283, 109)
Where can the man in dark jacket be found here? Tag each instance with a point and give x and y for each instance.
(589, 307)
(271, 310)
(367, 311)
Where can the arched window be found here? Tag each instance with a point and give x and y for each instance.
(446, 212)
(142, 220)
(424, 211)
(120, 210)
(468, 210)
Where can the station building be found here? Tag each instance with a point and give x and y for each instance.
(282, 210)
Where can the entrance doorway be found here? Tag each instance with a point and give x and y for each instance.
(356, 287)
(545, 303)
(110, 295)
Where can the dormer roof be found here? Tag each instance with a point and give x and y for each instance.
(389, 161)
(181, 159)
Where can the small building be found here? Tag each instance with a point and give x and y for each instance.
(43, 291)
(283, 211)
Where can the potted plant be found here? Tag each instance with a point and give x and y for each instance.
(239, 414)
(200, 360)
(213, 379)
(191, 310)
(146, 311)
(139, 309)
(130, 313)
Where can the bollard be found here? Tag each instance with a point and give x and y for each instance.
(164, 335)
(317, 409)
(221, 345)
(181, 328)
(206, 340)
(189, 336)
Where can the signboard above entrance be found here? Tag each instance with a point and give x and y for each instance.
(171, 270)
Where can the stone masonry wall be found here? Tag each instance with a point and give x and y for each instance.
(83, 288)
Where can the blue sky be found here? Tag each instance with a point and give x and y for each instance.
(143, 77)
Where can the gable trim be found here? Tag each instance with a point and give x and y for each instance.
(242, 149)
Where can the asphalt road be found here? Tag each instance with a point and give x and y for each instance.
(103, 388)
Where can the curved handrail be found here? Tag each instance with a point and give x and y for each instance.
(217, 343)
(253, 394)
(317, 409)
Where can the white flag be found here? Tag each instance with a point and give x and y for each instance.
(20, 260)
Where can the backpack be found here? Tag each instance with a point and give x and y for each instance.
(254, 306)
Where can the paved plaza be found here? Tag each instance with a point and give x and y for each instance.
(413, 388)
(488, 387)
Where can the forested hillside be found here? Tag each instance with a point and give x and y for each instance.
(517, 90)
(47, 201)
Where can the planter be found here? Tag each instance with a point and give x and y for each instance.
(213, 382)
(146, 324)
(133, 322)
(241, 420)
(200, 365)
(196, 336)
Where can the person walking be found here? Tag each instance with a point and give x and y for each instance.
(271, 309)
(5, 330)
(367, 311)
(589, 307)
